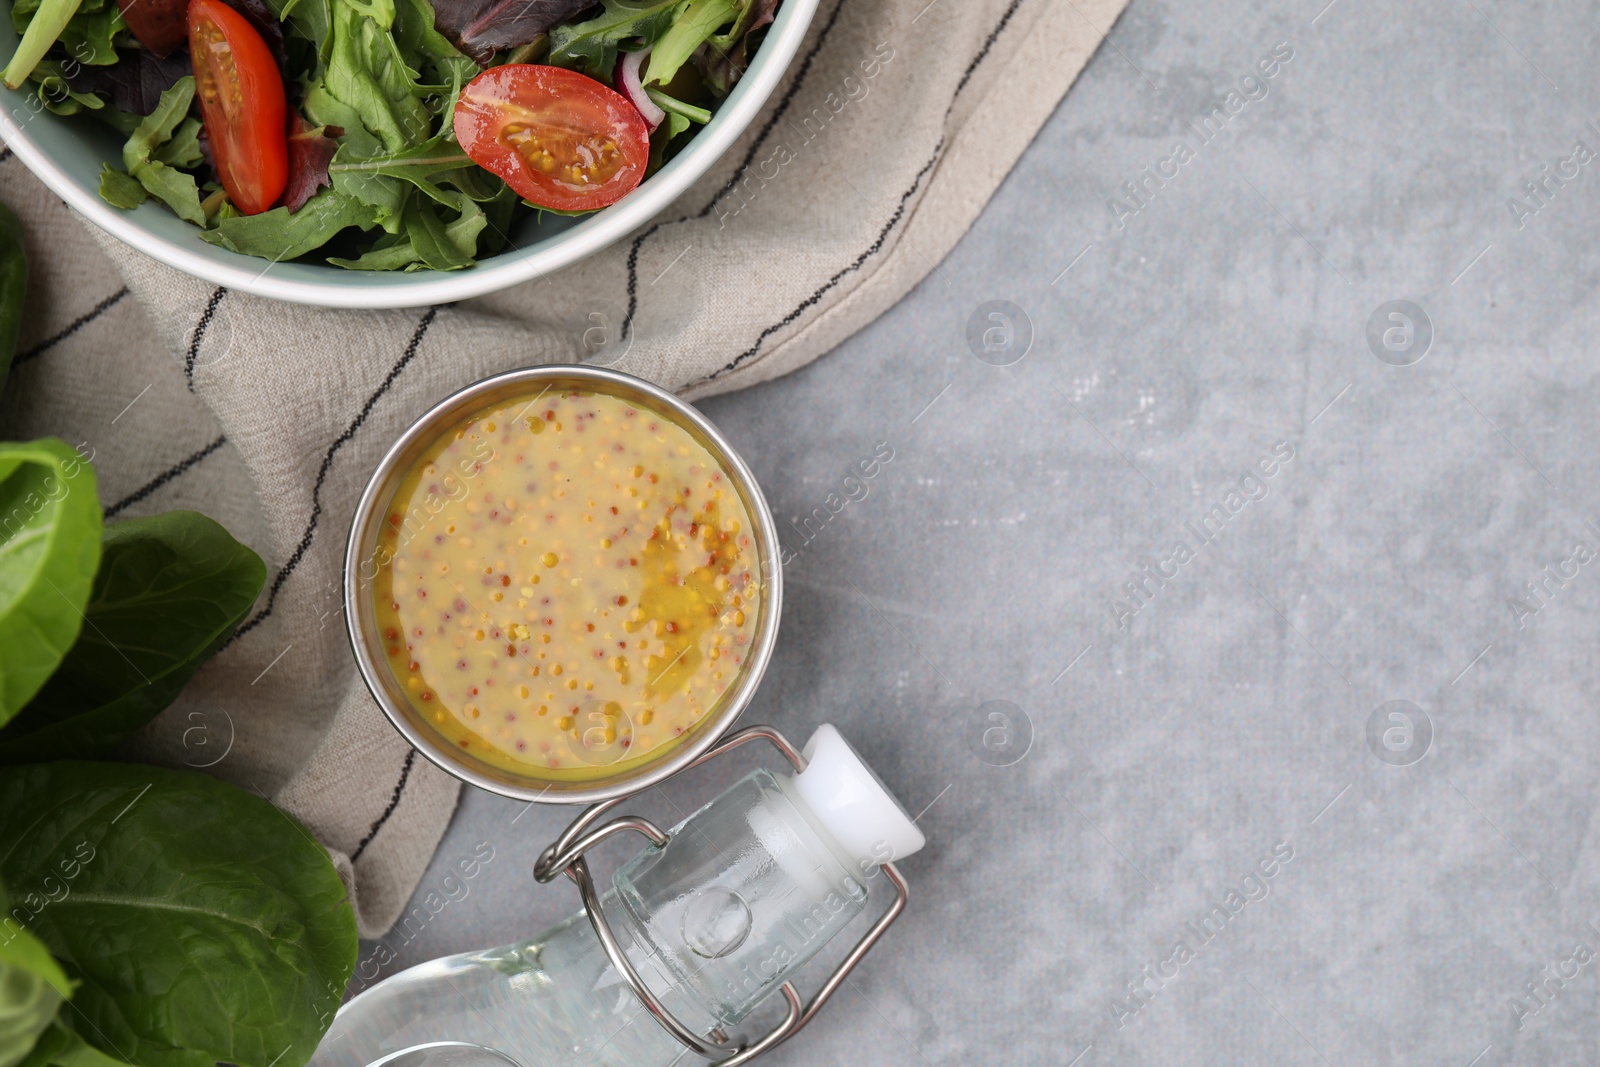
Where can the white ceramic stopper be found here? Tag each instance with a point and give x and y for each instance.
(852, 804)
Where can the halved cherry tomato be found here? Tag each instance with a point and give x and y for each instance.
(559, 139)
(241, 104)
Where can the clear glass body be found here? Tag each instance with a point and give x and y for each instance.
(747, 890)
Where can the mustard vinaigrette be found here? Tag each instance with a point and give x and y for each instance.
(571, 584)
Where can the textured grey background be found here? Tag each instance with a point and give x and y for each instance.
(1227, 314)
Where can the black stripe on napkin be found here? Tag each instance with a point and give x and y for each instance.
(894, 219)
(394, 802)
(73, 327)
(855, 265)
(744, 165)
(197, 336)
(327, 464)
(178, 469)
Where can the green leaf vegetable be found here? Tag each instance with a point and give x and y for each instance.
(49, 548)
(204, 924)
(155, 918)
(170, 590)
(165, 140)
(32, 988)
(591, 47)
(396, 195)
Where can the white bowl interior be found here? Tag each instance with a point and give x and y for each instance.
(66, 153)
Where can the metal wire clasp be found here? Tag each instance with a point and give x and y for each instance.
(565, 855)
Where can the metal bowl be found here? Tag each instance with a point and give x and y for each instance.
(66, 153)
(360, 567)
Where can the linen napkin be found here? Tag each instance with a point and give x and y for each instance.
(892, 128)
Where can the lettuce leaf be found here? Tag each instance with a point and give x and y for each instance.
(163, 141)
(277, 235)
(480, 28)
(591, 47)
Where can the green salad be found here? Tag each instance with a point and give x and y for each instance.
(383, 134)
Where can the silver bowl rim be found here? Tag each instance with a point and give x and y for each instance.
(375, 498)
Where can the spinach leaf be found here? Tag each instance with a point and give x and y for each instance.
(49, 548)
(480, 28)
(278, 235)
(60, 1047)
(205, 924)
(32, 988)
(170, 590)
(591, 47)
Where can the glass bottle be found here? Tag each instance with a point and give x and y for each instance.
(747, 889)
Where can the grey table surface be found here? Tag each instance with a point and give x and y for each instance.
(1431, 541)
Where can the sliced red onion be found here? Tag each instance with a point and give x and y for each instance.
(629, 85)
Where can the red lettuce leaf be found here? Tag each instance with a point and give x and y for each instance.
(480, 28)
(310, 152)
(134, 83)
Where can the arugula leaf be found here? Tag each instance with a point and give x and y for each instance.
(278, 235)
(362, 177)
(119, 190)
(57, 94)
(698, 21)
(170, 590)
(428, 242)
(174, 188)
(158, 126)
(90, 36)
(32, 988)
(143, 156)
(480, 28)
(184, 148)
(49, 548)
(425, 48)
(205, 924)
(591, 47)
